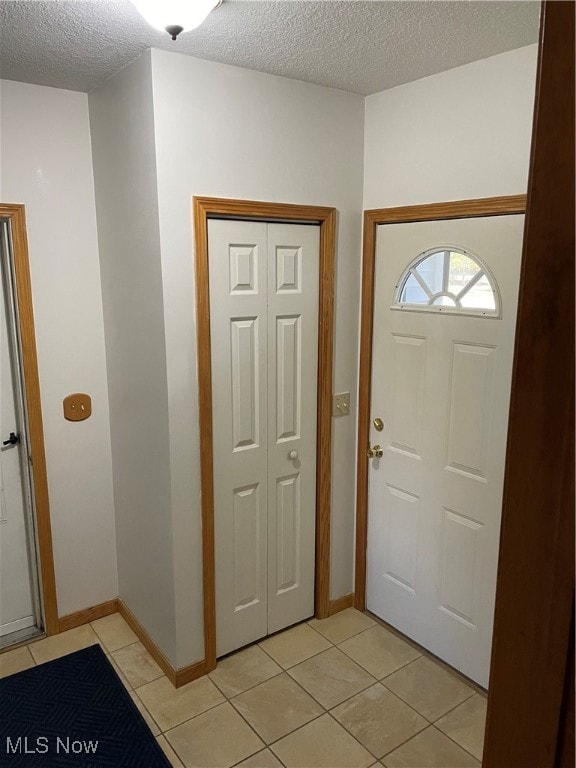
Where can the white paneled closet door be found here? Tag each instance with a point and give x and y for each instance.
(264, 282)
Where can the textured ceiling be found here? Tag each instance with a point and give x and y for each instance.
(353, 45)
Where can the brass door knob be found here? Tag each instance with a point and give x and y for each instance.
(375, 452)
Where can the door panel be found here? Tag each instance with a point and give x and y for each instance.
(288, 378)
(237, 262)
(407, 394)
(244, 361)
(441, 384)
(461, 560)
(246, 514)
(293, 287)
(469, 424)
(402, 510)
(16, 591)
(287, 527)
(263, 322)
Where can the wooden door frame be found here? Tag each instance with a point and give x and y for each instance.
(205, 208)
(529, 722)
(15, 213)
(462, 209)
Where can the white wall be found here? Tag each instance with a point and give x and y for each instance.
(229, 132)
(46, 164)
(461, 134)
(122, 123)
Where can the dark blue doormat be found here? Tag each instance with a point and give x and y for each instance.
(73, 712)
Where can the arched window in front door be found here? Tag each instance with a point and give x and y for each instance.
(450, 280)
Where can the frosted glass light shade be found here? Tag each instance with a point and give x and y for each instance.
(187, 14)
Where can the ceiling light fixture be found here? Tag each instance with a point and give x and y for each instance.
(188, 13)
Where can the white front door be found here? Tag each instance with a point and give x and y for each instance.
(264, 281)
(16, 588)
(443, 335)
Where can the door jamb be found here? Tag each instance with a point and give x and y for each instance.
(25, 318)
(529, 721)
(461, 209)
(203, 209)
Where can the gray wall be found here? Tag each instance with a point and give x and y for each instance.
(46, 163)
(461, 134)
(122, 125)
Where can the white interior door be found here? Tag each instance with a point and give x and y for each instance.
(441, 378)
(16, 589)
(264, 283)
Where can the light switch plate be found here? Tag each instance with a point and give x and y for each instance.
(341, 404)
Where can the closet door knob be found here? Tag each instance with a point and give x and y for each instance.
(293, 455)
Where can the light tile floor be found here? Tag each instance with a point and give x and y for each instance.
(339, 693)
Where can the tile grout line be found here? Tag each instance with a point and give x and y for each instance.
(453, 708)
(382, 681)
(428, 723)
(410, 707)
(187, 720)
(256, 753)
(227, 700)
(371, 673)
(376, 681)
(276, 741)
(251, 728)
(221, 703)
(413, 736)
(17, 649)
(304, 725)
(251, 688)
(91, 624)
(286, 670)
(354, 634)
(428, 654)
(456, 742)
(327, 709)
(134, 691)
(432, 723)
(171, 747)
(268, 745)
(317, 717)
(364, 747)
